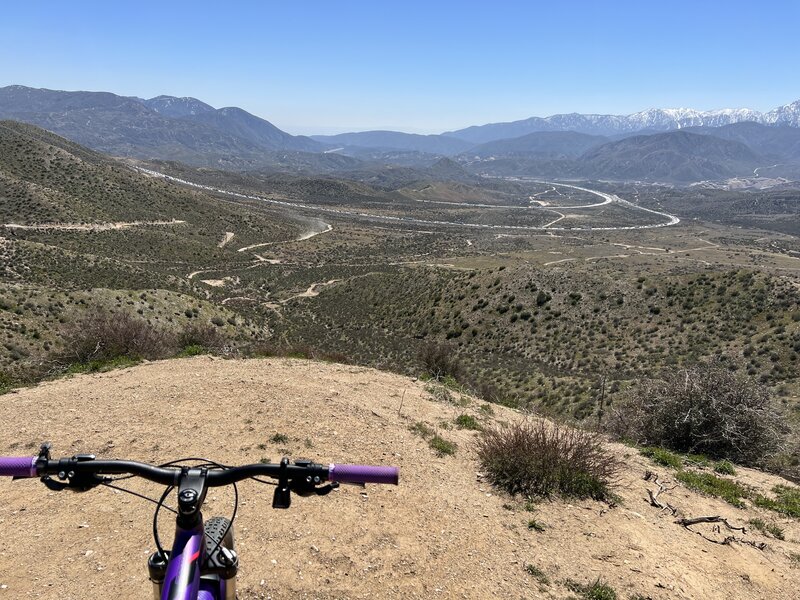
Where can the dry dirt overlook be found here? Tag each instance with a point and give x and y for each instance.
(443, 533)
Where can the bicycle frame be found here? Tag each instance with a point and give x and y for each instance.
(186, 574)
(182, 577)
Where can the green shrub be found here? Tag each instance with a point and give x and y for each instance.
(442, 446)
(536, 525)
(663, 457)
(192, 350)
(594, 591)
(6, 382)
(465, 421)
(707, 483)
(786, 501)
(535, 458)
(421, 429)
(725, 467)
(772, 529)
(703, 409)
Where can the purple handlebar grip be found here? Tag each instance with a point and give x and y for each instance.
(18, 466)
(363, 474)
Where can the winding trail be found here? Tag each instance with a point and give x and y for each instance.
(90, 226)
(228, 237)
(607, 199)
(305, 236)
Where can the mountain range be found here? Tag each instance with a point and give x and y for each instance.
(653, 120)
(678, 145)
(182, 129)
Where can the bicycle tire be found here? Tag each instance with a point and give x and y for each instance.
(215, 527)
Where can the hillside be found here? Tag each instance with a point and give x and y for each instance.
(442, 532)
(543, 144)
(778, 142)
(79, 229)
(673, 156)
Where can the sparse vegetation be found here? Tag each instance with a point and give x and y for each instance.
(708, 483)
(786, 501)
(535, 525)
(725, 467)
(465, 421)
(535, 458)
(442, 446)
(537, 574)
(770, 528)
(599, 590)
(663, 457)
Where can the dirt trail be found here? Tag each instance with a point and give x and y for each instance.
(443, 533)
(305, 236)
(228, 237)
(90, 226)
(313, 290)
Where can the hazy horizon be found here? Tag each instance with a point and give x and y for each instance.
(412, 67)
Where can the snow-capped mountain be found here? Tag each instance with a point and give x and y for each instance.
(784, 115)
(652, 120)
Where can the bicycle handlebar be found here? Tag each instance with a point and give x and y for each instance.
(363, 474)
(18, 466)
(31, 466)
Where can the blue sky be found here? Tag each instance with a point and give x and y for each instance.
(320, 67)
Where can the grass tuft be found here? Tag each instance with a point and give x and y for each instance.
(725, 467)
(786, 501)
(707, 483)
(442, 446)
(663, 457)
(466, 421)
(537, 574)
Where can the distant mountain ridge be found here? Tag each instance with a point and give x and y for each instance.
(431, 144)
(164, 127)
(643, 146)
(652, 120)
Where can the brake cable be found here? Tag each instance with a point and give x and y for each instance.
(204, 462)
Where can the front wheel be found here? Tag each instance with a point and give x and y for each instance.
(220, 572)
(215, 528)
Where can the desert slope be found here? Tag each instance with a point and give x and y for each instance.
(441, 534)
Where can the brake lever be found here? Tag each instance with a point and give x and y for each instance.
(79, 482)
(305, 489)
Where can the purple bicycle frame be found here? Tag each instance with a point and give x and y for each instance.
(183, 581)
(183, 569)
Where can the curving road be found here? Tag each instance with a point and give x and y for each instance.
(607, 199)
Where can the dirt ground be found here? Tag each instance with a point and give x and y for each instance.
(442, 533)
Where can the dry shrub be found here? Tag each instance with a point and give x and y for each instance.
(537, 458)
(203, 335)
(440, 361)
(103, 335)
(702, 410)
